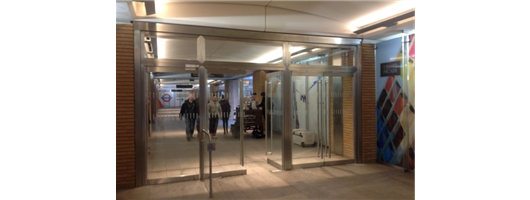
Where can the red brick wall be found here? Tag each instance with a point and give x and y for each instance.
(368, 112)
(125, 153)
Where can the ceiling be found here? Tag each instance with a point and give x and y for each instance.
(333, 18)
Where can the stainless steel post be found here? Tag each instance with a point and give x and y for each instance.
(265, 118)
(241, 122)
(327, 118)
(318, 119)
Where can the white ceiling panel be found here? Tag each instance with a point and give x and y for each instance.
(122, 12)
(236, 16)
(344, 11)
(282, 20)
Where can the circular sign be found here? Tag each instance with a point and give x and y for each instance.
(166, 98)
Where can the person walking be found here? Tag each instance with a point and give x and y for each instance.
(214, 112)
(189, 110)
(225, 108)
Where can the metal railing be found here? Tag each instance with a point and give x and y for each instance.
(211, 147)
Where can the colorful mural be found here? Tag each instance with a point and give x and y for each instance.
(395, 102)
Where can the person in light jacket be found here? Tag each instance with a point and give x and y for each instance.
(214, 112)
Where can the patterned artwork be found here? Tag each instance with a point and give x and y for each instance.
(395, 112)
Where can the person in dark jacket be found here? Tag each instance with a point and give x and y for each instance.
(262, 106)
(225, 108)
(190, 112)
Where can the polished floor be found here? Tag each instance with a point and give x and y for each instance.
(172, 155)
(352, 181)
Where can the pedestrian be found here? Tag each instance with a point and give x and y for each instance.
(189, 110)
(225, 108)
(214, 112)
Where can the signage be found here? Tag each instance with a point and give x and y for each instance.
(211, 147)
(391, 68)
(209, 75)
(184, 86)
(166, 97)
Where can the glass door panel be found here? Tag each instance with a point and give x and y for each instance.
(275, 120)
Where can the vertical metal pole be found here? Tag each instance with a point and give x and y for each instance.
(265, 118)
(287, 151)
(320, 85)
(203, 99)
(139, 107)
(241, 122)
(210, 157)
(272, 118)
(357, 106)
(327, 117)
(306, 104)
(324, 115)
(318, 119)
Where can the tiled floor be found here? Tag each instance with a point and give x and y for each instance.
(171, 155)
(354, 181)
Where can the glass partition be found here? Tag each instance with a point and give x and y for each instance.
(275, 114)
(222, 49)
(308, 115)
(170, 46)
(314, 55)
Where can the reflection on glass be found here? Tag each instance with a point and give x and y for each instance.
(306, 123)
(174, 46)
(274, 146)
(235, 51)
(311, 55)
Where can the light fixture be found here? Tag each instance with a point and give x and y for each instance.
(315, 49)
(273, 55)
(406, 20)
(374, 30)
(299, 54)
(191, 67)
(389, 11)
(386, 23)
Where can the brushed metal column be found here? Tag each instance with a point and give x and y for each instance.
(203, 99)
(337, 116)
(203, 112)
(140, 107)
(241, 123)
(287, 154)
(326, 121)
(319, 113)
(265, 118)
(357, 105)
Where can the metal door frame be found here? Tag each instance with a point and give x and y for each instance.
(143, 65)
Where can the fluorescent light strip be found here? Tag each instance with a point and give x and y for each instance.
(299, 54)
(406, 20)
(373, 30)
(273, 55)
(381, 14)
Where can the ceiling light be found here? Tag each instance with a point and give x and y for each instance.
(394, 9)
(273, 55)
(315, 49)
(386, 23)
(373, 30)
(406, 20)
(191, 67)
(299, 54)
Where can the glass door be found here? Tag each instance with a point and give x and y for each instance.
(274, 119)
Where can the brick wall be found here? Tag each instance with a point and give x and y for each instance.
(368, 112)
(125, 153)
(347, 107)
